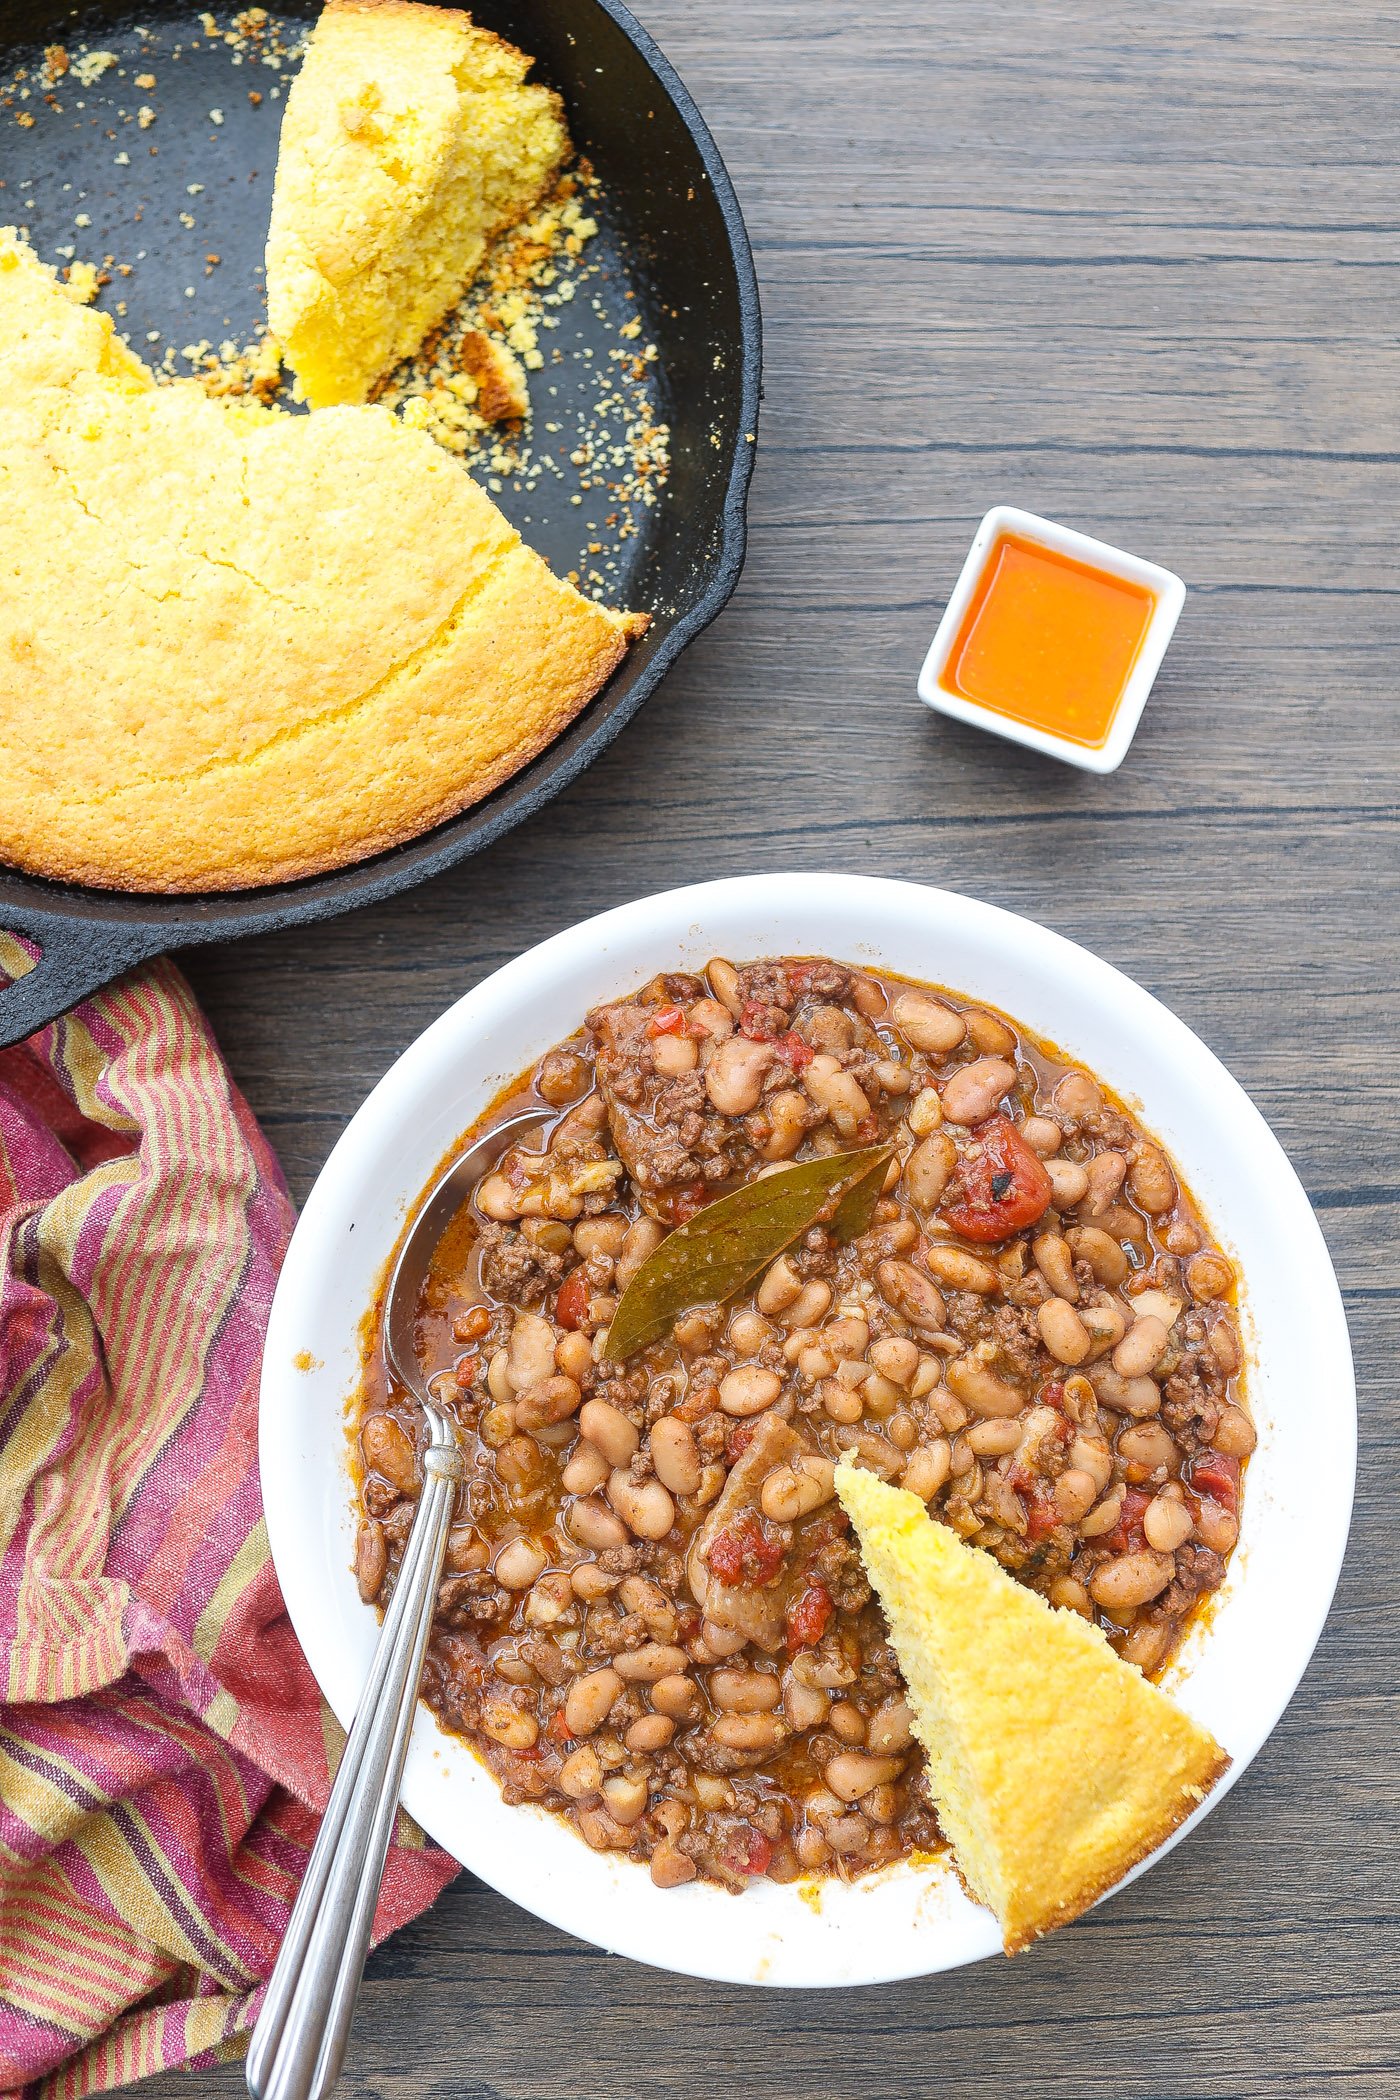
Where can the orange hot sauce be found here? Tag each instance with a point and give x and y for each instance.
(1049, 641)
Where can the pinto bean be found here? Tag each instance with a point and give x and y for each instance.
(1149, 1445)
(928, 1169)
(927, 1024)
(1063, 1332)
(388, 1450)
(594, 1525)
(1208, 1276)
(981, 1389)
(644, 1236)
(1235, 1435)
(891, 1728)
(958, 1270)
(1166, 1523)
(1139, 1397)
(1078, 1096)
(927, 1468)
(581, 1774)
(724, 983)
(650, 1663)
(749, 1732)
(748, 1389)
(530, 1356)
(1092, 1454)
(925, 1112)
(786, 1111)
(585, 1470)
(974, 1091)
(806, 1705)
(670, 1868)
(590, 1699)
(1131, 1579)
(911, 1293)
(548, 1401)
(519, 1564)
(1105, 1171)
(780, 1288)
(1216, 1528)
(1141, 1348)
(809, 1305)
(645, 1506)
(1104, 1255)
(1106, 1321)
(1069, 1183)
(897, 1358)
(609, 1429)
(1051, 1252)
(745, 1691)
(734, 1076)
(852, 1773)
(675, 1055)
(371, 1558)
(675, 1455)
(837, 1094)
(1224, 1345)
(1151, 1182)
(675, 1695)
(794, 1490)
(1075, 1494)
(1044, 1136)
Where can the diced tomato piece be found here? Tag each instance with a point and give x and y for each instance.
(667, 1020)
(1000, 1191)
(571, 1306)
(794, 1051)
(1127, 1535)
(1052, 1393)
(1218, 1478)
(760, 1022)
(682, 1203)
(557, 1728)
(799, 975)
(466, 1369)
(737, 1442)
(747, 1851)
(746, 1552)
(808, 1616)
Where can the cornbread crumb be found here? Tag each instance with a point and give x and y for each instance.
(1055, 1766)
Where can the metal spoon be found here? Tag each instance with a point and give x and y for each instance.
(299, 2042)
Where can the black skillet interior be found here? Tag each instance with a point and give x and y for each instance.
(671, 236)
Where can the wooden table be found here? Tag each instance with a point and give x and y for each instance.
(1135, 268)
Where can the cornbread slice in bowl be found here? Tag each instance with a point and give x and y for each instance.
(1055, 1766)
(291, 641)
(411, 138)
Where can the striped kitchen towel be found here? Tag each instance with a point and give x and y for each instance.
(163, 1748)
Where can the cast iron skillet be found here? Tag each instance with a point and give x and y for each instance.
(674, 235)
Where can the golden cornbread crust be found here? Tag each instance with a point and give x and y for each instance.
(1056, 1767)
(238, 647)
(411, 139)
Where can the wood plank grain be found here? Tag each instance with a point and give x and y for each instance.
(1139, 270)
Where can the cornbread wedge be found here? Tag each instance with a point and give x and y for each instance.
(1055, 1766)
(411, 137)
(238, 647)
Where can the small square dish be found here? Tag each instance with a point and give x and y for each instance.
(1052, 639)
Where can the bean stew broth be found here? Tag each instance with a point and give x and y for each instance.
(653, 1618)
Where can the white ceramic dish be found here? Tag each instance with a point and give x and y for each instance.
(1236, 1673)
(1168, 590)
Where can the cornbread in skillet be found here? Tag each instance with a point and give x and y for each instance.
(411, 137)
(1055, 1766)
(238, 647)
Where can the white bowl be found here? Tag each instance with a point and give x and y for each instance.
(1238, 1669)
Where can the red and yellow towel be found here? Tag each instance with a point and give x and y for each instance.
(163, 1748)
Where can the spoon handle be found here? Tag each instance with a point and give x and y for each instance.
(299, 2042)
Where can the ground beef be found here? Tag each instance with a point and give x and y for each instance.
(1019, 1347)
(513, 1269)
(1190, 1409)
(1197, 1570)
(836, 1565)
(462, 1598)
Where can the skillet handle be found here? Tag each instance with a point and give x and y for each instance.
(75, 960)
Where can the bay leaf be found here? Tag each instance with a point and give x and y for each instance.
(725, 1246)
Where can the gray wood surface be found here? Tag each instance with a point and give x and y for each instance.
(1136, 268)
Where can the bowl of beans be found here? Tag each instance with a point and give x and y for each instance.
(821, 1166)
